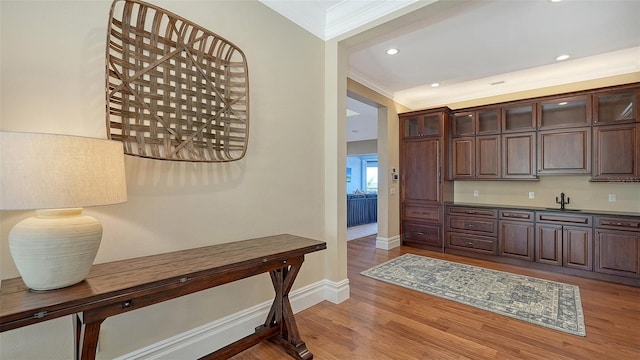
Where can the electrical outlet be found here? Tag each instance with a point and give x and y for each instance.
(392, 191)
(612, 197)
(476, 193)
(532, 195)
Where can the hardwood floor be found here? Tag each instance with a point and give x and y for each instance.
(383, 321)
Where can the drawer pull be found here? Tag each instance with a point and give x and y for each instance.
(615, 223)
(470, 243)
(521, 216)
(470, 212)
(471, 225)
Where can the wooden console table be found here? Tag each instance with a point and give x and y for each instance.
(122, 286)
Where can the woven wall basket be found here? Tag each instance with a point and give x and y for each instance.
(175, 91)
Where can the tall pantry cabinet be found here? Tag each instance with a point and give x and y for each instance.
(424, 184)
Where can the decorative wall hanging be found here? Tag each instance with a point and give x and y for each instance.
(175, 91)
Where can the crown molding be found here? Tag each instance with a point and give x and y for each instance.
(312, 19)
(348, 15)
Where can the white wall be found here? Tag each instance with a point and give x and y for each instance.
(52, 68)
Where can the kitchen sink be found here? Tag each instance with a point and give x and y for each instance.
(556, 209)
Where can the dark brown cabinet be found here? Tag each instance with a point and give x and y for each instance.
(477, 122)
(563, 112)
(566, 151)
(549, 244)
(423, 188)
(577, 246)
(616, 106)
(519, 155)
(616, 152)
(518, 118)
(419, 125)
(617, 246)
(516, 235)
(476, 157)
(472, 229)
(420, 172)
(563, 239)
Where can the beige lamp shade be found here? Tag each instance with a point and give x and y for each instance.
(60, 173)
(45, 171)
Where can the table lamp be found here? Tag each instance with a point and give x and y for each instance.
(57, 175)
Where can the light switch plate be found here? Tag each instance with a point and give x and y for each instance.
(532, 195)
(612, 197)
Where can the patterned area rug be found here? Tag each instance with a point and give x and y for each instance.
(542, 302)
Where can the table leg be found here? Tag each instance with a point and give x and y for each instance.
(86, 338)
(281, 313)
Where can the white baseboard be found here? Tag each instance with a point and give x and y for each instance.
(205, 339)
(387, 243)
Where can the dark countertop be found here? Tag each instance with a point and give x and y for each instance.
(533, 208)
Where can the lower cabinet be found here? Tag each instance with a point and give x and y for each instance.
(590, 245)
(549, 244)
(577, 251)
(516, 235)
(422, 234)
(422, 226)
(617, 246)
(472, 229)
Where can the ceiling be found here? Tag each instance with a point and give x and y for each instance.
(472, 48)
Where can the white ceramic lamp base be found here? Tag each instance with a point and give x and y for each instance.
(55, 248)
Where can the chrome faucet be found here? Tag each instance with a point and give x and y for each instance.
(562, 202)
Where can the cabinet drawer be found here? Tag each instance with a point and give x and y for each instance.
(517, 215)
(458, 210)
(558, 218)
(480, 226)
(423, 212)
(472, 243)
(618, 223)
(422, 234)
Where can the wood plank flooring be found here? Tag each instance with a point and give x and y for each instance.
(384, 321)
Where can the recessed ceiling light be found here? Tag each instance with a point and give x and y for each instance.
(555, 0)
(435, 84)
(392, 51)
(562, 57)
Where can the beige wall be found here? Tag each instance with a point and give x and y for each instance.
(583, 194)
(52, 67)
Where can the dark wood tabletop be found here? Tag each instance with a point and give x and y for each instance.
(117, 281)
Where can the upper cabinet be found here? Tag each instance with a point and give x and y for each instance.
(616, 107)
(563, 112)
(519, 118)
(480, 122)
(422, 125)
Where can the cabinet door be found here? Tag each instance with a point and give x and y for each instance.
(564, 151)
(463, 161)
(414, 126)
(518, 118)
(516, 240)
(519, 155)
(577, 245)
(616, 152)
(463, 124)
(564, 112)
(617, 252)
(613, 107)
(488, 121)
(487, 160)
(549, 244)
(420, 178)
